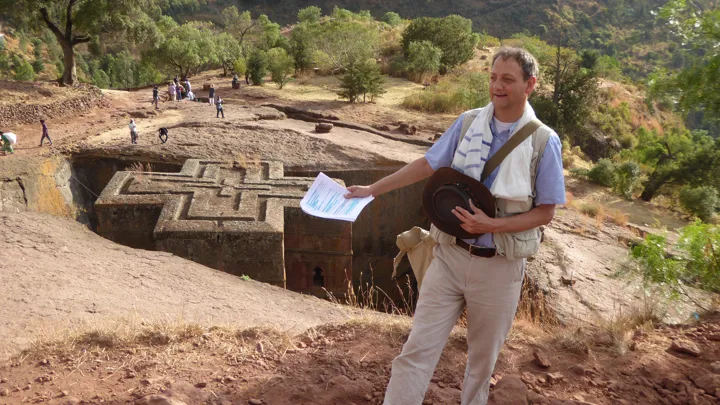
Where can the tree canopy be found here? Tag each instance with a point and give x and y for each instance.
(452, 34)
(74, 22)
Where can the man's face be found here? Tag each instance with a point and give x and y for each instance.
(508, 88)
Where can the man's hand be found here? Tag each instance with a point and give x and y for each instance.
(358, 192)
(476, 223)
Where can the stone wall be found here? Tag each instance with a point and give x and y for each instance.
(26, 113)
(376, 229)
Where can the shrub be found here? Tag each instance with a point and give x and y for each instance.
(487, 41)
(24, 72)
(257, 66)
(309, 14)
(240, 66)
(281, 65)
(391, 18)
(423, 58)
(701, 201)
(453, 94)
(591, 210)
(697, 262)
(362, 79)
(38, 65)
(603, 173)
(627, 177)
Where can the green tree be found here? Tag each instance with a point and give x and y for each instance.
(74, 22)
(423, 58)
(573, 95)
(257, 66)
(700, 201)
(24, 72)
(696, 87)
(281, 66)
(346, 41)
(238, 24)
(391, 18)
(302, 45)
(186, 48)
(310, 14)
(452, 34)
(228, 50)
(678, 158)
(362, 79)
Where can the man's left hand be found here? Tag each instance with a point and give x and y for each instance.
(477, 222)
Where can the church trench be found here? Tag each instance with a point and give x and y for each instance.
(372, 245)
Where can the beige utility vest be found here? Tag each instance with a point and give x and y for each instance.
(513, 245)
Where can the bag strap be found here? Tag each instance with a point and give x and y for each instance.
(467, 121)
(509, 146)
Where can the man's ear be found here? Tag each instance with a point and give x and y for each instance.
(531, 83)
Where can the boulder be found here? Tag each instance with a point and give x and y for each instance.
(685, 347)
(323, 127)
(510, 390)
(541, 359)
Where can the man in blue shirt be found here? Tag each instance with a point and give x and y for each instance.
(488, 286)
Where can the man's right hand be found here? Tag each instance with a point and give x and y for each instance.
(358, 192)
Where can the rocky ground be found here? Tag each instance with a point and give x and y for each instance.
(350, 364)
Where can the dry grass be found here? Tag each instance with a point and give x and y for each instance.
(573, 339)
(139, 170)
(371, 297)
(247, 161)
(77, 345)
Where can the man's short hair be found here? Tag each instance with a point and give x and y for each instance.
(527, 62)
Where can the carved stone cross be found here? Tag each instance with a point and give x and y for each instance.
(245, 221)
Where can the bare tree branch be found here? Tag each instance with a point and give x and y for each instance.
(55, 30)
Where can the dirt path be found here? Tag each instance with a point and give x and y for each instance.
(56, 274)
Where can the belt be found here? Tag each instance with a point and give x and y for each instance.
(476, 250)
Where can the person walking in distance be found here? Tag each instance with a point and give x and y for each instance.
(483, 274)
(219, 106)
(156, 97)
(45, 133)
(133, 132)
(211, 94)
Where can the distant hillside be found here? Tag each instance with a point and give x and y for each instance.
(622, 29)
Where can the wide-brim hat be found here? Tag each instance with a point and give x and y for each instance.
(446, 189)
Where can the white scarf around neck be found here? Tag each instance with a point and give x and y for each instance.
(513, 179)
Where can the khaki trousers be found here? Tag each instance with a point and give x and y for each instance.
(490, 287)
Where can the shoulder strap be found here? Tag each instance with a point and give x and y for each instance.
(539, 140)
(511, 144)
(467, 121)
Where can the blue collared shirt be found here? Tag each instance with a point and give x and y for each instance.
(549, 183)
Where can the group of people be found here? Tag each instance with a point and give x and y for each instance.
(178, 92)
(8, 139)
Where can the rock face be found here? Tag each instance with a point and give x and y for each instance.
(590, 257)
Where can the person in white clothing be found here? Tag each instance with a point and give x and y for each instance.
(478, 274)
(133, 132)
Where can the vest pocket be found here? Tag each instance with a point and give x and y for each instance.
(519, 245)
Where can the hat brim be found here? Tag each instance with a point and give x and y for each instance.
(445, 221)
